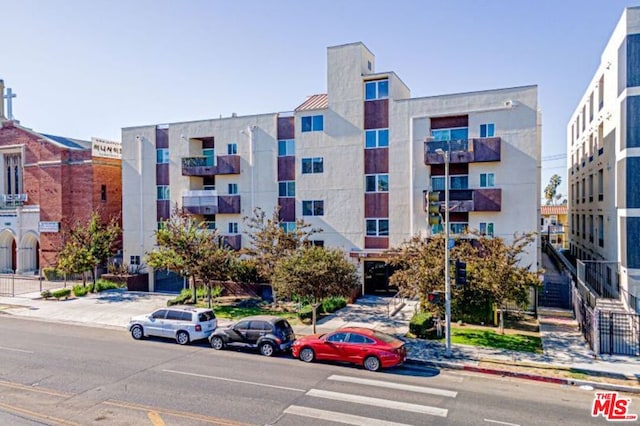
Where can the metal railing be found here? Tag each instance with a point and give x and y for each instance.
(396, 303)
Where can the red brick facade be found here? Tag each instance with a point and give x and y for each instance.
(65, 182)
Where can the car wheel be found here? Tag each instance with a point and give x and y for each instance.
(307, 355)
(137, 332)
(182, 337)
(372, 363)
(217, 343)
(267, 349)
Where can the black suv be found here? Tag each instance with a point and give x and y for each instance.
(270, 334)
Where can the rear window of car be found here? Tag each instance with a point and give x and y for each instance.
(206, 316)
(284, 326)
(387, 338)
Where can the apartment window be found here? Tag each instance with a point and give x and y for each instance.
(316, 243)
(577, 225)
(209, 224)
(600, 185)
(376, 90)
(287, 189)
(233, 227)
(458, 228)
(161, 225)
(312, 165)
(487, 130)
(377, 183)
(232, 148)
(573, 191)
(103, 192)
(377, 227)
(459, 182)
(369, 65)
(600, 230)
(437, 183)
(487, 180)
(377, 138)
(162, 192)
(288, 227)
(134, 260)
(312, 123)
(590, 188)
(591, 107)
(210, 156)
(313, 208)
(452, 134)
(590, 217)
(286, 147)
(233, 188)
(584, 226)
(601, 93)
(584, 117)
(584, 190)
(162, 155)
(486, 228)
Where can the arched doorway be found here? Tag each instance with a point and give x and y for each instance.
(28, 254)
(7, 252)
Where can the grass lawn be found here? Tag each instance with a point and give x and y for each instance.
(492, 339)
(237, 312)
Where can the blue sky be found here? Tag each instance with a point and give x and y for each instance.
(88, 68)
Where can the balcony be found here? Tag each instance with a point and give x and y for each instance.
(209, 202)
(472, 200)
(475, 150)
(11, 201)
(202, 166)
(234, 242)
(552, 229)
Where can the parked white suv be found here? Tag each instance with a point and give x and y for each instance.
(185, 324)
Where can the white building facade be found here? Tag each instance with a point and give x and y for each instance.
(603, 151)
(356, 162)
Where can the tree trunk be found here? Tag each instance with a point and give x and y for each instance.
(194, 294)
(93, 279)
(209, 294)
(314, 316)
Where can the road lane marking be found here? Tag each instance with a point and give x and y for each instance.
(225, 379)
(168, 412)
(336, 417)
(15, 350)
(378, 402)
(36, 415)
(501, 423)
(35, 389)
(155, 418)
(390, 385)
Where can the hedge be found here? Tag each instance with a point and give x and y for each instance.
(63, 292)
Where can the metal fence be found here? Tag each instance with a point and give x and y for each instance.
(12, 285)
(619, 333)
(584, 317)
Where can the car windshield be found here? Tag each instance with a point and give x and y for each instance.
(385, 337)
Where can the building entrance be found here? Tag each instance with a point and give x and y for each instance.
(376, 278)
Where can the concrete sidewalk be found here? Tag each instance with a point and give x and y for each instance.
(564, 346)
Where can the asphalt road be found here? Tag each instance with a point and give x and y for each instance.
(62, 374)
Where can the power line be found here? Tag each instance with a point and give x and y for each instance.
(554, 157)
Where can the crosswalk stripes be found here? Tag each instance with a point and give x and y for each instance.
(350, 398)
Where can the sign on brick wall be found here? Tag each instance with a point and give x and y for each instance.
(49, 227)
(105, 148)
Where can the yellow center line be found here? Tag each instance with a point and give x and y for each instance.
(35, 389)
(155, 418)
(157, 410)
(39, 416)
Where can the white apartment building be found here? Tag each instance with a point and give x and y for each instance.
(603, 151)
(356, 162)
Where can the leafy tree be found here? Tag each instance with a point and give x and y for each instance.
(88, 245)
(270, 242)
(191, 250)
(315, 273)
(550, 190)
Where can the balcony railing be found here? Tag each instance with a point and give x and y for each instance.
(209, 202)
(471, 200)
(463, 151)
(11, 201)
(552, 229)
(233, 242)
(204, 166)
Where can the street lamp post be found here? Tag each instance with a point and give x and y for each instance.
(447, 283)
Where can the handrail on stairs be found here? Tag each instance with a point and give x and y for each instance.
(397, 301)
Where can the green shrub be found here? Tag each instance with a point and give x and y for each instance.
(52, 274)
(181, 299)
(102, 285)
(332, 304)
(79, 290)
(61, 293)
(306, 313)
(45, 294)
(421, 325)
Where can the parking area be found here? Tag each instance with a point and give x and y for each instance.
(16, 285)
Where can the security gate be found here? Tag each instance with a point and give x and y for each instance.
(7, 286)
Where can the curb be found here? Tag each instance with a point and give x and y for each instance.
(525, 376)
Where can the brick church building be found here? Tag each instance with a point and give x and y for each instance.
(46, 183)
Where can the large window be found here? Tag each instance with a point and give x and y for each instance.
(377, 227)
(376, 90)
(162, 192)
(487, 130)
(601, 230)
(487, 180)
(313, 208)
(377, 183)
(287, 189)
(210, 156)
(377, 138)
(452, 134)
(590, 188)
(455, 182)
(162, 155)
(600, 185)
(312, 165)
(458, 228)
(312, 123)
(286, 147)
(288, 227)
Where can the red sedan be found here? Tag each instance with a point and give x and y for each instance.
(363, 346)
